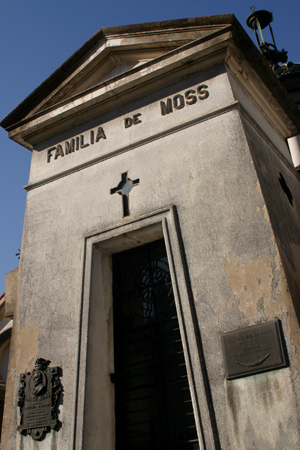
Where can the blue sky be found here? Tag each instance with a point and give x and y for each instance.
(36, 37)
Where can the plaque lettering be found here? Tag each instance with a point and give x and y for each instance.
(39, 393)
(253, 349)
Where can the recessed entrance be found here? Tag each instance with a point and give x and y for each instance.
(153, 401)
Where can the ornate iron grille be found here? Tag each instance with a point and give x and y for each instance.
(153, 402)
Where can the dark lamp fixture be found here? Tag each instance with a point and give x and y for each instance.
(257, 21)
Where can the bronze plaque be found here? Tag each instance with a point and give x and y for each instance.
(253, 349)
(39, 394)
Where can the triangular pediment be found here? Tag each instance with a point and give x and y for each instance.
(111, 63)
(110, 53)
(119, 53)
(119, 65)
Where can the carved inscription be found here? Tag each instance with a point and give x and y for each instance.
(165, 107)
(179, 101)
(134, 120)
(253, 349)
(75, 144)
(39, 393)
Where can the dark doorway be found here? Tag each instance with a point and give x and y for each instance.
(153, 401)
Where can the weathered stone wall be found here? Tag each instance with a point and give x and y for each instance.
(11, 291)
(203, 159)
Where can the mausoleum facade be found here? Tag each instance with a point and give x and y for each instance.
(159, 270)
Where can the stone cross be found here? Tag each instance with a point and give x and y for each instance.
(123, 188)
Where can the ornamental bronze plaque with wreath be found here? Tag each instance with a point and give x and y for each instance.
(254, 349)
(39, 393)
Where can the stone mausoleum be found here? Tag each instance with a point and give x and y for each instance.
(159, 297)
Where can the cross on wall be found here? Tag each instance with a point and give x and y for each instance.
(123, 188)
